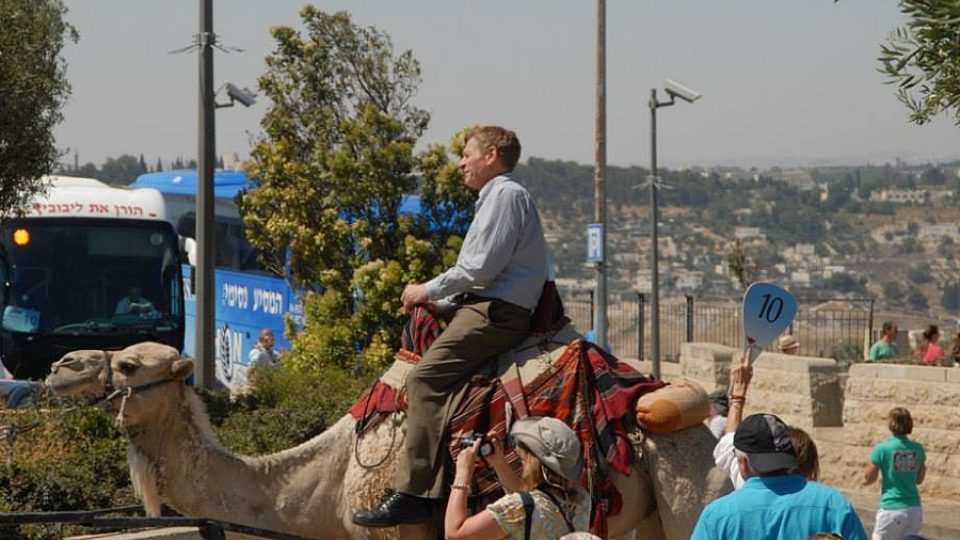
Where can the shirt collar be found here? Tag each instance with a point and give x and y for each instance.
(485, 190)
(774, 481)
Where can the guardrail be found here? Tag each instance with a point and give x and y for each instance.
(209, 529)
(825, 327)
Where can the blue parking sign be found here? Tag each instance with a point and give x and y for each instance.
(594, 242)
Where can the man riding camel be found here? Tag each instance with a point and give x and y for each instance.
(494, 287)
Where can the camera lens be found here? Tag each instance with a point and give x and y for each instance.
(486, 449)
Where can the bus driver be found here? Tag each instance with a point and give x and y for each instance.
(134, 304)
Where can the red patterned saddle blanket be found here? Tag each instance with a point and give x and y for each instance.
(562, 376)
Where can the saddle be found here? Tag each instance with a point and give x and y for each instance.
(554, 373)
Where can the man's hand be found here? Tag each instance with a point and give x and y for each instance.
(413, 296)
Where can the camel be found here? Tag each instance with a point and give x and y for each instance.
(313, 489)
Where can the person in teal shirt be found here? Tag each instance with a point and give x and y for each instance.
(903, 465)
(885, 348)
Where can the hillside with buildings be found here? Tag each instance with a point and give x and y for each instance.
(886, 231)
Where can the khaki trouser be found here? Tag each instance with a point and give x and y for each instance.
(479, 331)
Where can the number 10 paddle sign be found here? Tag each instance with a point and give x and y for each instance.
(767, 311)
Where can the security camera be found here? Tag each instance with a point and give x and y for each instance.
(244, 96)
(675, 89)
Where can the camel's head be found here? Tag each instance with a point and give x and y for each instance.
(141, 371)
(81, 373)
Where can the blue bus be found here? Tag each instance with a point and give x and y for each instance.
(248, 298)
(87, 266)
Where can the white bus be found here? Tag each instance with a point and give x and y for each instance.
(88, 266)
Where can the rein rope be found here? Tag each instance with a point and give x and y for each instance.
(358, 434)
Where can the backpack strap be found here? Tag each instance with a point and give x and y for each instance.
(528, 513)
(559, 509)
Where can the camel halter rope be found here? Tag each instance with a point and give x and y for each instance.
(358, 434)
(9, 433)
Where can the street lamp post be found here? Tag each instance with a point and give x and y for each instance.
(674, 90)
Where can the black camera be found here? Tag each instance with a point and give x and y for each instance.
(486, 448)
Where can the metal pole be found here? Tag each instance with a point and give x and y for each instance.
(600, 174)
(205, 161)
(592, 309)
(640, 306)
(689, 336)
(654, 256)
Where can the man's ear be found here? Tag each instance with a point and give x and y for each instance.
(181, 369)
(492, 155)
(743, 463)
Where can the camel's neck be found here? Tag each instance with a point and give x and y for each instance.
(196, 475)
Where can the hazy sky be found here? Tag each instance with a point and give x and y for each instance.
(784, 81)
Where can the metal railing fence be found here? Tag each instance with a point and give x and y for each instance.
(825, 327)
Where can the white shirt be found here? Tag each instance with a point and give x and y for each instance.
(261, 357)
(140, 307)
(726, 460)
(504, 254)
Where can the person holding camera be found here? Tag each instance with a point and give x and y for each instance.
(544, 502)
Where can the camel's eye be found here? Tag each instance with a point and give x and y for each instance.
(127, 368)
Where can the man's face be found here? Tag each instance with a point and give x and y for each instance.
(267, 339)
(893, 332)
(478, 164)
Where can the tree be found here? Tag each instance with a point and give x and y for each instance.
(951, 297)
(846, 283)
(920, 274)
(121, 170)
(892, 290)
(917, 300)
(923, 59)
(33, 88)
(334, 164)
(746, 268)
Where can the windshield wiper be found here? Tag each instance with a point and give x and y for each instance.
(89, 327)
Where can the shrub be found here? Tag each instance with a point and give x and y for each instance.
(64, 459)
(71, 457)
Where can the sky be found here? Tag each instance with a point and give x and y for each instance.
(784, 82)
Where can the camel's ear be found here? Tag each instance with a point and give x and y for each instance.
(181, 368)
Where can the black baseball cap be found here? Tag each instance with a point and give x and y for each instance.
(766, 441)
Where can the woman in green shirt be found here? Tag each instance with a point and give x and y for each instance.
(902, 463)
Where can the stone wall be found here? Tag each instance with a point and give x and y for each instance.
(803, 391)
(847, 421)
(931, 394)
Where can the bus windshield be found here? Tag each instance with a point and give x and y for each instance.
(90, 276)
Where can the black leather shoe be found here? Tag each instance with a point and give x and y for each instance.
(397, 509)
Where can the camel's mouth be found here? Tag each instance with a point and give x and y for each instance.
(61, 388)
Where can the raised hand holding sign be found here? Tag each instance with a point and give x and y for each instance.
(767, 311)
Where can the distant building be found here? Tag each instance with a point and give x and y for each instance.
(938, 230)
(688, 279)
(900, 196)
(749, 233)
(801, 277)
(797, 178)
(833, 269)
(644, 281)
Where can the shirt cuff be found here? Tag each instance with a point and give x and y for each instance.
(434, 292)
